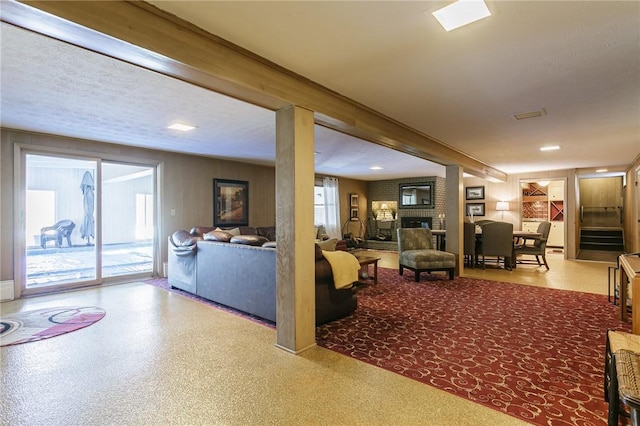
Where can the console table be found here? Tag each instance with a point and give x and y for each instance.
(630, 271)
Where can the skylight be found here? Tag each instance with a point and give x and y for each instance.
(460, 13)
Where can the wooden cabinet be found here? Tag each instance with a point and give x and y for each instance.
(535, 203)
(556, 213)
(530, 226)
(542, 203)
(556, 235)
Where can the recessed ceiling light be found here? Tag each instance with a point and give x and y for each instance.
(461, 13)
(375, 168)
(550, 148)
(602, 170)
(182, 127)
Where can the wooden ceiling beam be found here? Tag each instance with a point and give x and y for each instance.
(143, 35)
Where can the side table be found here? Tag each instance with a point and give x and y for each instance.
(365, 261)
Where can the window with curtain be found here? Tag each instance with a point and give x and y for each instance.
(331, 195)
(318, 204)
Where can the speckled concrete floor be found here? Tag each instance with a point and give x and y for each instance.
(158, 358)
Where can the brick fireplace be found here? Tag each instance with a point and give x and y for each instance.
(416, 222)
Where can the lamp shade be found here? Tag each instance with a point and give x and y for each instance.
(502, 206)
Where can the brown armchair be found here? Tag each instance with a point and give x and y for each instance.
(57, 232)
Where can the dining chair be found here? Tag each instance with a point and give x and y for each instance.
(535, 246)
(470, 244)
(497, 240)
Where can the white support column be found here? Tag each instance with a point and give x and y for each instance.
(295, 260)
(455, 214)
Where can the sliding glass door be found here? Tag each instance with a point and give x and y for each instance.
(59, 220)
(127, 219)
(85, 220)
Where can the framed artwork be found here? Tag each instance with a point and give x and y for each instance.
(354, 213)
(475, 209)
(230, 202)
(354, 200)
(475, 192)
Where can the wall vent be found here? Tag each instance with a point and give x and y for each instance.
(529, 114)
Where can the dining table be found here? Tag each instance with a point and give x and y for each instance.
(441, 237)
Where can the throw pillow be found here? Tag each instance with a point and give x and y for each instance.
(234, 231)
(221, 236)
(250, 240)
(328, 245)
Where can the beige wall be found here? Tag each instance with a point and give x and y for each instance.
(632, 208)
(510, 191)
(185, 185)
(348, 187)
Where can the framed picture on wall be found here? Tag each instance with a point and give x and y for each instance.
(354, 213)
(353, 200)
(230, 202)
(475, 192)
(475, 209)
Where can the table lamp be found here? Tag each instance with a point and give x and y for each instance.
(502, 206)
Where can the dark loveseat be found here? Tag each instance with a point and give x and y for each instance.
(241, 274)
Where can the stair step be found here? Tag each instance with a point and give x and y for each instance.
(605, 239)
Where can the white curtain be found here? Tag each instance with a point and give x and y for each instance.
(331, 207)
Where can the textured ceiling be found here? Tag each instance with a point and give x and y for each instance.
(578, 60)
(52, 87)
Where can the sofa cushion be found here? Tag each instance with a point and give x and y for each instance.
(269, 232)
(427, 259)
(328, 245)
(199, 231)
(222, 236)
(250, 240)
(269, 244)
(183, 239)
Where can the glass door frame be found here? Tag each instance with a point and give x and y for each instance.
(20, 266)
(20, 244)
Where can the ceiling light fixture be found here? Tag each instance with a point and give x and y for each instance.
(375, 168)
(602, 170)
(549, 148)
(460, 13)
(182, 127)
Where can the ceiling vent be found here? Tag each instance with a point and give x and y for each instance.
(530, 114)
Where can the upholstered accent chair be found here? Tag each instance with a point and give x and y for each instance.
(416, 251)
(57, 232)
(535, 247)
(497, 241)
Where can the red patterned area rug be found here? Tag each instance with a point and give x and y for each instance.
(533, 353)
(31, 326)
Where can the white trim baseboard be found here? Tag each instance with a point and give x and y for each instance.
(6, 290)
